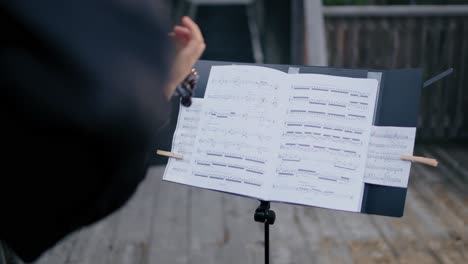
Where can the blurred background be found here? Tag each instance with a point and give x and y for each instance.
(378, 34)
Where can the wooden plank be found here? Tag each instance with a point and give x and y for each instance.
(168, 242)
(77, 254)
(433, 67)
(459, 155)
(130, 244)
(330, 34)
(61, 252)
(448, 166)
(243, 238)
(307, 221)
(450, 160)
(210, 227)
(364, 241)
(287, 242)
(452, 44)
(444, 205)
(398, 41)
(339, 42)
(354, 42)
(404, 240)
(428, 227)
(99, 242)
(462, 94)
(206, 226)
(423, 130)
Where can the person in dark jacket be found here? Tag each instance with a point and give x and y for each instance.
(85, 89)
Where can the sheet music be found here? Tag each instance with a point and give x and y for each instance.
(183, 142)
(386, 145)
(237, 140)
(293, 138)
(324, 141)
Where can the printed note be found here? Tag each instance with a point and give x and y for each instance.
(183, 142)
(386, 145)
(237, 138)
(266, 134)
(324, 141)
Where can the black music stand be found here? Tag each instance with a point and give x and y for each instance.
(263, 214)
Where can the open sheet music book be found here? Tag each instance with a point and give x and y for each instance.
(296, 138)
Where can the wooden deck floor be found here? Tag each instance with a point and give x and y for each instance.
(169, 223)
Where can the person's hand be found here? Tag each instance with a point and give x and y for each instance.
(189, 47)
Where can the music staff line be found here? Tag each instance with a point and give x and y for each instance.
(236, 157)
(320, 136)
(252, 99)
(349, 130)
(385, 177)
(310, 189)
(307, 173)
(230, 165)
(337, 104)
(393, 136)
(328, 115)
(348, 163)
(240, 83)
(227, 178)
(319, 88)
(227, 115)
(317, 148)
(236, 145)
(236, 132)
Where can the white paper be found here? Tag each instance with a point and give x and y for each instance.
(292, 138)
(386, 145)
(179, 170)
(236, 142)
(324, 141)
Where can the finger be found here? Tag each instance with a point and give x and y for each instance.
(194, 29)
(182, 33)
(182, 30)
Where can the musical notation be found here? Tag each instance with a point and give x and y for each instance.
(244, 134)
(254, 99)
(325, 136)
(260, 132)
(241, 116)
(301, 100)
(307, 148)
(184, 141)
(386, 145)
(228, 179)
(234, 145)
(328, 115)
(333, 91)
(241, 82)
(306, 188)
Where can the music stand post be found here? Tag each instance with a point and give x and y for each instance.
(263, 214)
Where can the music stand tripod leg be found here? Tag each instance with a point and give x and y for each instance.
(263, 214)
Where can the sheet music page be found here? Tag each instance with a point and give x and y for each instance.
(386, 145)
(180, 170)
(324, 140)
(238, 135)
